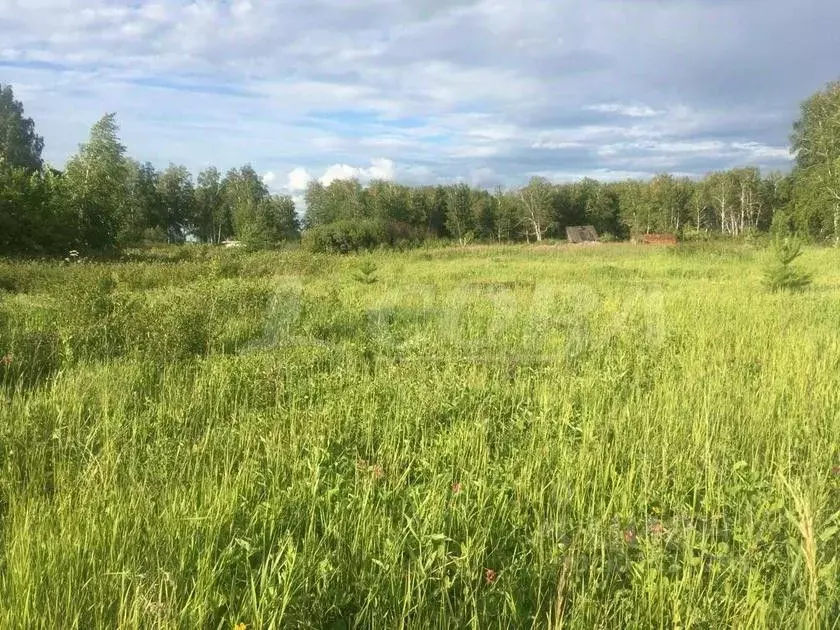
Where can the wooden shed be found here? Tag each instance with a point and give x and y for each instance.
(581, 234)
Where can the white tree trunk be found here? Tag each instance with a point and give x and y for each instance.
(722, 201)
(837, 224)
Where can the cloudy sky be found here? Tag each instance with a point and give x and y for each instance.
(489, 91)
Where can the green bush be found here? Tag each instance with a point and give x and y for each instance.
(781, 275)
(348, 236)
(366, 273)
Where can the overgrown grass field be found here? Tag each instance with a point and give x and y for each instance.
(492, 437)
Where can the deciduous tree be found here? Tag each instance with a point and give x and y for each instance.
(536, 206)
(20, 146)
(816, 143)
(97, 183)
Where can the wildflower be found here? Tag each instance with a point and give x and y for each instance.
(456, 487)
(490, 576)
(378, 472)
(629, 536)
(6, 360)
(240, 626)
(657, 529)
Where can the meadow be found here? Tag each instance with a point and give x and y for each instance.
(610, 436)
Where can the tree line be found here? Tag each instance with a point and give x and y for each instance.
(104, 200)
(730, 203)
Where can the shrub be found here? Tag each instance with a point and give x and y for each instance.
(366, 273)
(349, 236)
(346, 236)
(781, 275)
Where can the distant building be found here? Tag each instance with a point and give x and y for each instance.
(581, 234)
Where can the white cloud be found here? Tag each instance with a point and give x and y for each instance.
(556, 145)
(760, 151)
(269, 178)
(483, 177)
(665, 154)
(445, 89)
(380, 168)
(298, 179)
(481, 151)
(241, 8)
(339, 171)
(603, 174)
(631, 111)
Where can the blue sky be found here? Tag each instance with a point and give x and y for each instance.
(425, 91)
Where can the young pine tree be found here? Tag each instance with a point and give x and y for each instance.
(781, 274)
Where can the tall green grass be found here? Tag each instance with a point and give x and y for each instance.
(616, 437)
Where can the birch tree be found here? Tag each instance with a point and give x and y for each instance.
(459, 216)
(536, 206)
(816, 143)
(98, 184)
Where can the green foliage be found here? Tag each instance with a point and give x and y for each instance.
(366, 273)
(357, 235)
(460, 221)
(344, 236)
(603, 211)
(97, 183)
(781, 274)
(177, 202)
(141, 216)
(34, 215)
(275, 222)
(342, 200)
(536, 203)
(816, 143)
(782, 226)
(20, 146)
(211, 222)
(244, 191)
